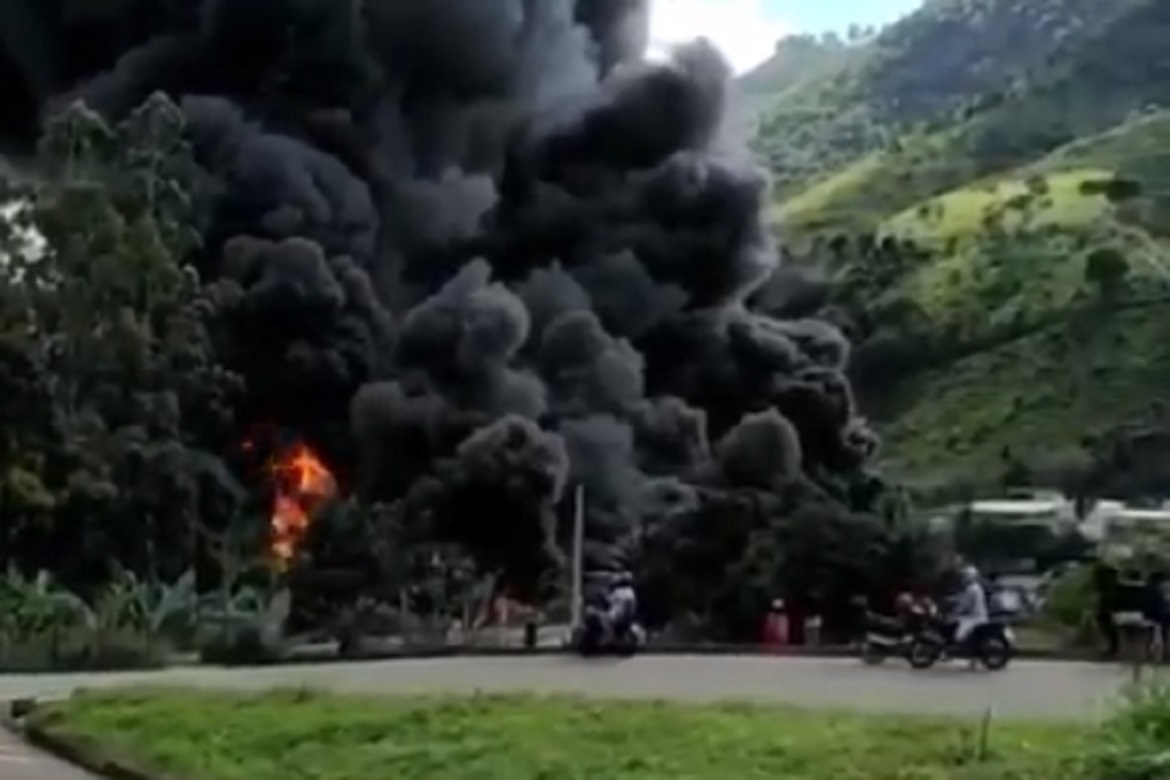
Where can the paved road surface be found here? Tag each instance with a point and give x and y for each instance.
(1025, 690)
(20, 762)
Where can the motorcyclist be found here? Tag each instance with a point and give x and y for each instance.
(970, 609)
(622, 603)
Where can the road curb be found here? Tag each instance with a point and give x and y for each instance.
(449, 651)
(320, 655)
(14, 718)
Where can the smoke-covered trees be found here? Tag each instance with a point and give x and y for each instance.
(110, 361)
(459, 251)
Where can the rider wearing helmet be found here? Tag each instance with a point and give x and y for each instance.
(971, 609)
(623, 601)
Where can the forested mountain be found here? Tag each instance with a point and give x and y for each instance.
(798, 60)
(942, 59)
(987, 184)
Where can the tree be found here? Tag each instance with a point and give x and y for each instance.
(107, 318)
(727, 557)
(1115, 190)
(1106, 269)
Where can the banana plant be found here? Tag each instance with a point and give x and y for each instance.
(172, 605)
(31, 606)
(153, 608)
(248, 607)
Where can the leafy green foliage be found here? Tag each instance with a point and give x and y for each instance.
(107, 348)
(1070, 600)
(129, 624)
(1135, 739)
(247, 626)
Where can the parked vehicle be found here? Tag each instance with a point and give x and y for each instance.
(885, 636)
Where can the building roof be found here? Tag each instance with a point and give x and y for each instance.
(1018, 507)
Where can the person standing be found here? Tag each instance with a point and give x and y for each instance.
(775, 633)
(1105, 585)
(1156, 612)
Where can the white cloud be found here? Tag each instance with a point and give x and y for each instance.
(742, 29)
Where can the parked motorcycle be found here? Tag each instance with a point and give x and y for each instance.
(992, 645)
(886, 636)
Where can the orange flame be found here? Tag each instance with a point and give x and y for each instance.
(302, 483)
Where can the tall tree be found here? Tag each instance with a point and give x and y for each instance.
(110, 315)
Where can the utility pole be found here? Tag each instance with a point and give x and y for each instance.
(578, 580)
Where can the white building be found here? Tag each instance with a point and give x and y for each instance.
(1121, 531)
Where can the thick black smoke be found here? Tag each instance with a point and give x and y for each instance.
(476, 249)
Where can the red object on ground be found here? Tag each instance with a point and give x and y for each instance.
(775, 631)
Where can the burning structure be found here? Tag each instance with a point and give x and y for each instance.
(301, 483)
(472, 251)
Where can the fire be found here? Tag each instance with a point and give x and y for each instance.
(302, 483)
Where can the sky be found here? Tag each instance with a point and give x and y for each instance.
(747, 30)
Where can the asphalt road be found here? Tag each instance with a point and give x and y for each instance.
(1024, 690)
(20, 762)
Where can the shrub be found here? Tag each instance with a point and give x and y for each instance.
(157, 608)
(1069, 602)
(44, 627)
(75, 648)
(1135, 743)
(244, 645)
(245, 627)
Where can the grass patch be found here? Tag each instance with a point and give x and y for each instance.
(203, 735)
(876, 187)
(961, 214)
(820, 204)
(1138, 148)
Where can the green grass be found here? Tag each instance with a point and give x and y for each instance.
(193, 735)
(831, 201)
(1033, 265)
(875, 187)
(928, 169)
(960, 214)
(1138, 148)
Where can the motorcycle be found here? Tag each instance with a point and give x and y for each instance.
(598, 636)
(991, 644)
(886, 637)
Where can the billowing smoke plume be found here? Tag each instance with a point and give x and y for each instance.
(476, 249)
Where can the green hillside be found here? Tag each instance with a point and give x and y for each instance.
(1095, 80)
(1003, 263)
(1042, 390)
(1036, 398)
(797, 60)
(944, 60)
